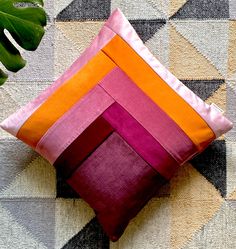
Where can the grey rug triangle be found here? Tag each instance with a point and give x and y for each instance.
(203, 88)
(197, 9)
(14, 158)
(90, 237)
(147, 28)
(211, 163)
(36, 215)
(85, 10)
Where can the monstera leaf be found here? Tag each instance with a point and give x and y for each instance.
(25, 21)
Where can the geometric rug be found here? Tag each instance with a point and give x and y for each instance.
(196, 41)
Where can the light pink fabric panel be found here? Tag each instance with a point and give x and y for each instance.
(13, 123)
(215, 119)
(73, 123)
(149, 115)
(118, 24)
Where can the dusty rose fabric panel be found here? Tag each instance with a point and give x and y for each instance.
(83, 146)
(114, 180)
(67, 128)
(140, 140)
(119, 24)
(149, 115)
(13, 123)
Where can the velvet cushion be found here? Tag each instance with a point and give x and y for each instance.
(117, 124)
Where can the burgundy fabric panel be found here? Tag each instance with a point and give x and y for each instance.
(149, 115)
(140, 140)
(116, 182)
(82, 146)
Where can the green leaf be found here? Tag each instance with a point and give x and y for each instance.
(26, 26)
(3, 77)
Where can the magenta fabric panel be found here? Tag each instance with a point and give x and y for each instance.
(118, 23)
(149, 115)
(83, 146)
(140, 140)
(67, 128)
(115, 179)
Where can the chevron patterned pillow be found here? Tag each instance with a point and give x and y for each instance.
(117, 124)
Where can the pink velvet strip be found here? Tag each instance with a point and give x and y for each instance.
(140, 140)
(149, 115)
(120, 25)
(60, 135)
(13, 123)
(83, 146)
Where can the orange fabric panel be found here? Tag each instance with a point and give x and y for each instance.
(159, 91)
(64, 97)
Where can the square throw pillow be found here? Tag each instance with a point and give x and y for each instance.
(117, 124)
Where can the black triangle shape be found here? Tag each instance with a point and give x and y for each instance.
(91, 236)
(202, 9)
(203, 88)
(64, 190)
(211, 163)
(85, 10)
(147, 28)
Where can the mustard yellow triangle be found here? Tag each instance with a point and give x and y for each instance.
(232, 48)
(232, 196)
(219, 97)
(193, 202)
(80, 33)
(186, 62)
(66, 53)
(175, 5)
(222, 137)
